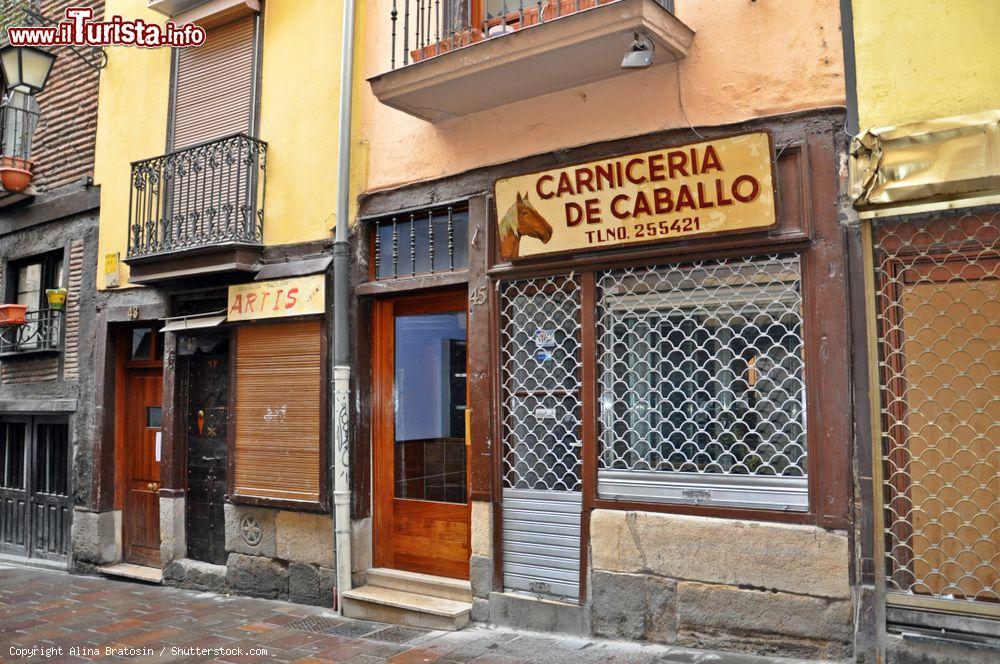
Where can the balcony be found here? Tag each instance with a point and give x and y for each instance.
(197, 211)
(40, 333)
(511, 50)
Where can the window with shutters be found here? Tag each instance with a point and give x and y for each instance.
(214, 85)
(278, 414)
(208, 190)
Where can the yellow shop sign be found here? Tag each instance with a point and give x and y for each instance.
(279, 298)
(720, 186)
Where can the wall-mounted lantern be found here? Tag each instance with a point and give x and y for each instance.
(25, 71)
(26, 68)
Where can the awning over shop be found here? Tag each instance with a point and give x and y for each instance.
(922, 166)
(299, 268)
(194, 322)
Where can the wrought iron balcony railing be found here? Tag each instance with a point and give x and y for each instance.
(205, 195)
(421, 29)
(40, 332)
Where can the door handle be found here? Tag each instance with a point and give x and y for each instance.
(153, 486)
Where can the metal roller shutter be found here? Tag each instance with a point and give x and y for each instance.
(215, 85)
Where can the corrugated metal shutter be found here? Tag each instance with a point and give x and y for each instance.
(278, 411)
(215, 84)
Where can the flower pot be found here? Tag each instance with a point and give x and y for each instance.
(56, 297)
(457, 40)
(12, 314)
(15, 174)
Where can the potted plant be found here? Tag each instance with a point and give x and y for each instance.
(12, 314)
(15, 173)
(56, 298)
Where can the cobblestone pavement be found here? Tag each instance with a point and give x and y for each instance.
(42, 610)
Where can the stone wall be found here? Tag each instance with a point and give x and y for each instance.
(720, 583)
(272, 553)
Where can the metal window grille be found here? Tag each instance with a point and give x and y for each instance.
(19, 115)
(541, 426)
(937, 301)
(421, 242)
(702, 394)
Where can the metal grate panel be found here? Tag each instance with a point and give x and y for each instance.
(397, 634)
(541, 424)
(937, 301)
(701, 379)
(316, 624)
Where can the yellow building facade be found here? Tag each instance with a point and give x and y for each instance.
(299, 93)
(218, 175)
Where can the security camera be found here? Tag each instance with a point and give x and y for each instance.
(639, 54)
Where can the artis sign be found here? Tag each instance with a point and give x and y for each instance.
(280, 298)
(724, 185)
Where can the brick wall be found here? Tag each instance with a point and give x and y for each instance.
(63, 148)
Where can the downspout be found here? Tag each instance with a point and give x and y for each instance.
(341, 332)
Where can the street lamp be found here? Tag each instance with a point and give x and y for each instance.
(26, 68)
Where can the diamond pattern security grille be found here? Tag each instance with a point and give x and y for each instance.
(540, 370)
(700, 370)
(937, 306)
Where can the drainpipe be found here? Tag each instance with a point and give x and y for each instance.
(341, 332)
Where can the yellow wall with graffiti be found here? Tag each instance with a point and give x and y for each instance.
(300, 77)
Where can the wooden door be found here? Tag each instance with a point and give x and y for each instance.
(419, 435)
(143, 410)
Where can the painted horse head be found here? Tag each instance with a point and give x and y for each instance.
(521, 219)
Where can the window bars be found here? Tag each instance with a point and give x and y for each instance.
(701, 383)
(421, 242)
(19, 115)
(937, 310)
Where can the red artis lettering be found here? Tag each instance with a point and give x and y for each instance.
(268, 300)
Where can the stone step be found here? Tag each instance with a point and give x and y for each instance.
(422, 584)
(399, 607)
(136, 572)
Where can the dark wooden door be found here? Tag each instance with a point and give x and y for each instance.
(205, 370)
(35, 509)
(15, 452)
(51, 507)
(420, 443)
(143, 412)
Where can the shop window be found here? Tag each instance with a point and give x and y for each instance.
(701, 384)
(279, 413)
(12, 444)
(420, 242)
